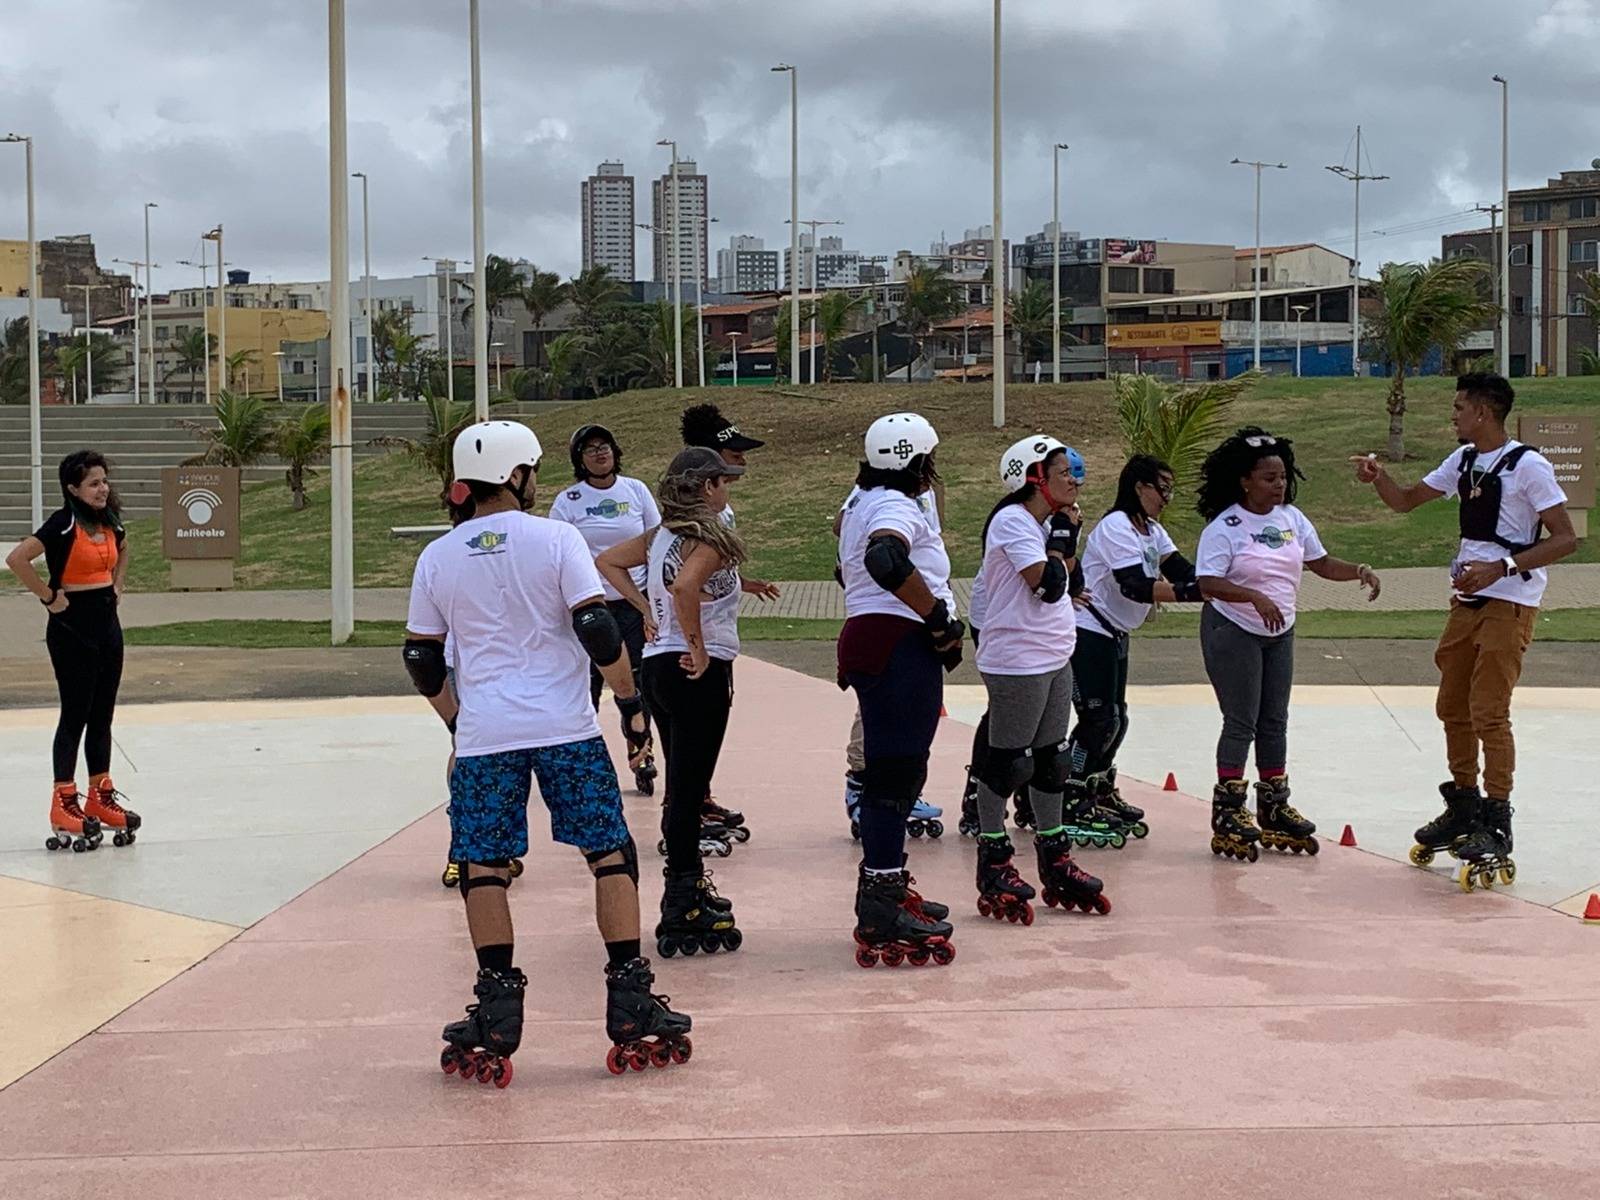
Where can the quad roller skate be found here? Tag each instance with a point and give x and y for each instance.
(1064, 883)
(1232, 831)
(481, 1046)
(451, 876)
(1451, 827)
(71, 828)
(1087, 825)
(1282, 825)
(1486, 852)
(694, 918)
(889, 931)
(968, 825)
(642, 1029)
(1002, 893)
(105, 806)
(1113, 809)
(924, 819)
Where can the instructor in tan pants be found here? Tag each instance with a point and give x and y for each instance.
(1514, 523)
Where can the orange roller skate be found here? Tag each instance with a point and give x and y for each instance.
(70, 826)
(105, 806)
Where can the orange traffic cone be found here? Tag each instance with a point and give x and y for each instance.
(1591, 914)
(943, 711)
(1348, 837)
(1171, 785)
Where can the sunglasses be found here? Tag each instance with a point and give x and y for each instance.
(1259, 440)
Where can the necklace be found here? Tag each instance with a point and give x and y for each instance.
(1475, 477)
(102, 548)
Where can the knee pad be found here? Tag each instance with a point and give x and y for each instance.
(470, 881)
(893, 783)
(1004, 771)
(1097, 727)
(629, 865)
(1050, 768)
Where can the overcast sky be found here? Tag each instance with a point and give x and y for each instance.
(217, 110)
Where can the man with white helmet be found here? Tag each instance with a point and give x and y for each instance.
(522, 603)
(899, 633)
(1028, 575)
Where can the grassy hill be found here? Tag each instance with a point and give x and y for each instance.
(786, 503)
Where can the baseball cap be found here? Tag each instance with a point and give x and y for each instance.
(699, 462)
(704, 425)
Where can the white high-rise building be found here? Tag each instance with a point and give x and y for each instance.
(825, 264)
(693, 199)
(747, 266)
(607, 200)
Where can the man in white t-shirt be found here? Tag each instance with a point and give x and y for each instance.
(1508, 493)
(522, 604)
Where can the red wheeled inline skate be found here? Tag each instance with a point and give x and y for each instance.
(1064, 882)
(889, 930)
(642, 1029)
(1002, 892)
(481, 1046)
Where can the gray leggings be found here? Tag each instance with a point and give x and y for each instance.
(1252, 676)
(1026, 712)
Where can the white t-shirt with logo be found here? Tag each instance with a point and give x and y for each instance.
(719, 602)
(1526, 490)
(503, 587)
(1115, 542)
(1263, 552)
(608, 516)
(1021, 634)
(865, 513)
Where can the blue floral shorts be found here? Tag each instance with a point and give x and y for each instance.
(489, 800)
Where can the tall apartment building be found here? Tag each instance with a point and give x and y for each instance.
(606, 198)
(691, 219)
(826, 263)
(746, 265)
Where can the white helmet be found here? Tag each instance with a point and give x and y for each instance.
(490, 451)
(894, 441)
(1023, 462)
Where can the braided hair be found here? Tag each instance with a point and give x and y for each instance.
(1233, 460)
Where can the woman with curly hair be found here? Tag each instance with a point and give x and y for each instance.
(1250, 560)
(692, 638)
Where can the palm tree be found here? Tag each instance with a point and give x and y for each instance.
(242, 435)
(98, 359)
(194, 356)
(300, 440)
(1425, 307)
(931, 297)
(1031, 314)
(1177, 423)
(14, 362)
(662, 344)
(241, 358)
(613, 356)
(542, 294)
(593, 290)
(433, 450)
(1589, 360)
(833, 323)
(70, 358)
(501, 282)
(563, 355)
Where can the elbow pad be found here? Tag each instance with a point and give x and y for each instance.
(425, 664)
(1176, 569)
(888, 562)
(1135, 584)
(1053, 583)
(597, 630)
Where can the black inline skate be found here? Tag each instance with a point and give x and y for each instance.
(642, 1029)
(642, 762)
(481, 1046)
(968, 825)
(1486, 852)
(887, 930)
(1450, 828)
(1282, 825)
(1088, 825)
(694, 918)
(1064, 882)
(1233, 832)
(716, 841)
(1113, 809)
(1002, 892)
(1022, 808)
(916, 903)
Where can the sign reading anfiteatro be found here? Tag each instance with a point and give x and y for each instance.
(1568, 442)
(200, 512)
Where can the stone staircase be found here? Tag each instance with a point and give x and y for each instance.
(139, 440)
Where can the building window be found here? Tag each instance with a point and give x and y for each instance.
(1587, 208)
(1533, 213)
(1583, 252)
(1519, 306)
(297, 367)
(1158, 281)
(1122, 279)
(1577, 306)
(1519, 255)
(180, 331)
(1467, 251)
(161, 332)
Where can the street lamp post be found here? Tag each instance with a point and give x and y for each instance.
(222, 310)
(149, 300)
(677, 273)
(35, 432)
(1300, 310)
(1505, 225)
(366, 276)
(135, 264)
(794, 213)
(733, 337)
(499, 378)
(205, 319)
(700, 297)
(278, 354)
(480, 287)
(449, 265)
(341, 454)
(1055, 271)
(816, 286)
(1356, 177)
(999, 355)
(1240, 162)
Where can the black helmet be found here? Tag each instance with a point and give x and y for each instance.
(587, 433)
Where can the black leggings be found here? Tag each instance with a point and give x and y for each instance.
(631, 622)
(1100, 695)
(85, 644)
(692, 718)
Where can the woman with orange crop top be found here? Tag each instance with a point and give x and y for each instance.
(86, 556)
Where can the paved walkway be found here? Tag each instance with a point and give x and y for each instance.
(1321, 1027)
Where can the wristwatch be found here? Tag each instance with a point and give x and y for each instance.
(1510, 565)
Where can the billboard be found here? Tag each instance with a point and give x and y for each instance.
(1124, 251)
(1173, 333)
(1568, 442)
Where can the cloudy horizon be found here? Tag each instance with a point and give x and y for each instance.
(219, 113)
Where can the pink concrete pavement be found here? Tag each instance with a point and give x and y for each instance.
(1320, 1027)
